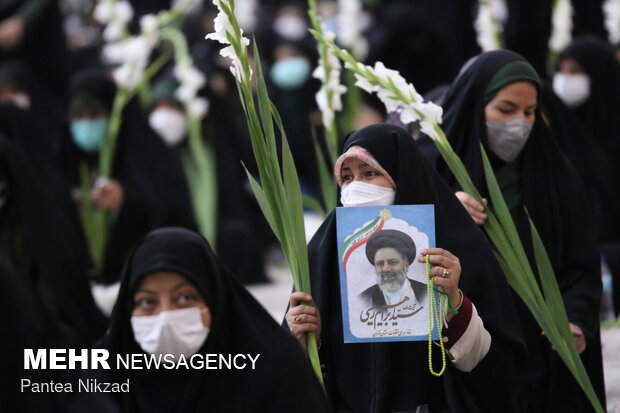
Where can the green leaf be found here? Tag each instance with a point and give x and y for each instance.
(326, 178)
(313, 204)
(501, 209)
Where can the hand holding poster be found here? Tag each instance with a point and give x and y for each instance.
(383, 286)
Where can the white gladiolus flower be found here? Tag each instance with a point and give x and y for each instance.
(114, 31)
(611, 8)
(410, 105)
(123, 11)
(135, 48)
(562, 25)
(349, 27)
(364, 84)
(222, 27)
(332, 85)
(329, 109)
(185, 93)
(129, 76)
(191, 80)
(108, 11)
(198, 107)
(487, 27)
(149, 27)
(132, 54)
(189, 76)
(432, 116)
(104, 11)
(113, 52)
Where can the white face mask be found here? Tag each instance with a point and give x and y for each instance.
(170, 124)
(573, 89)
(508, 137)
(362, 194)
(171, 332)
(290, 27)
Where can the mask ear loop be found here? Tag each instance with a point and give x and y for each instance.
(433, 310)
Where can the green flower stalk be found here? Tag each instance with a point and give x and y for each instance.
(329, 101)
(278, 193)
(199, 163)
(545, 304)
(133, 75)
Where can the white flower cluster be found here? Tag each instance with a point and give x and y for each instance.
(411, 104)
(561, 25)
(115, 15)
(223, 29)
(611, 8)
(329, 107)
(131, 54)
(487, 27)
(349, 33)
(190, 82)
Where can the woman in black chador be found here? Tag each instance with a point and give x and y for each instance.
(496, 101)
(176, 297)
(381, 165)
(39, 231)
(588, 82)
(146, 189)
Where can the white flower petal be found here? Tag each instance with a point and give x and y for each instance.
(185, 93)
(611, 9)
(198, 107)
(103, 12)
(364, 84)
(487, 27)
(222, 25)
(149, 27)
(408, 115)
(123, 12)
(562, 25)
(113, 31)
(128, 76)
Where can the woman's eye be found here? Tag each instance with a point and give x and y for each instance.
(346, 178)
(371, 174)
(186, 298)
(505, 111)
(145, 303)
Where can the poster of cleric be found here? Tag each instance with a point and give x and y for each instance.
(382, 285)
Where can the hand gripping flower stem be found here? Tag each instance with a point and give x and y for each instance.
(278, 192)
(546, 305)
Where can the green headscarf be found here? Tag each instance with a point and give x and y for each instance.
(515, 71)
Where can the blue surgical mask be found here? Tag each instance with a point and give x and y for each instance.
(290, 73)
(89, 134)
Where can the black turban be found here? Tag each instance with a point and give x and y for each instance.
(390, 238)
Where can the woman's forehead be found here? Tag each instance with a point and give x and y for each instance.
(353, 163)
(163, 280)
